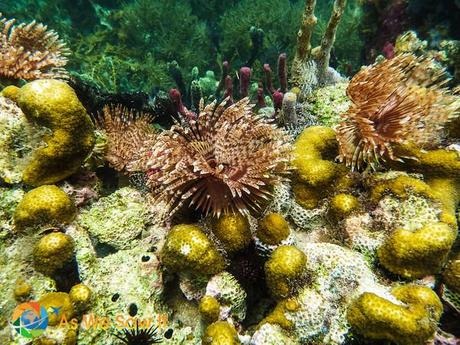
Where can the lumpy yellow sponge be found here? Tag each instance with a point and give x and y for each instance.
(220, 333)
(314, 151)
(233, 231)
(52, 252)
(284, 271)
(54, 104)
(419, 253)
(411, 323)
(273, 229)
(187, 248)
(44, 206)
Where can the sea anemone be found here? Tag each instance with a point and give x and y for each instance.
(397, 101)
(143, 336)
(31, 51)
(129, 137)
(226, 160)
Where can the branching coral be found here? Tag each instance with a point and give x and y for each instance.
(30, 51)
(225, 160)
(400, 100)
(129, 135)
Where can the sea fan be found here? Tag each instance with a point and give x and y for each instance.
(397, 101)
(129, 137)
(31, 51)
(226, 160)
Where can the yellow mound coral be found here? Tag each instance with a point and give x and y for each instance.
(57, 304)
(277, 316)
(313, 151)
(285, 270)
(273, 229)
(419, 253)
(233, 231)
(187, 248)
(52, 252)
(10, 92)
(209, 308)
(306, 196)
(80, 295)
(220, 333)
(451, 274)
(54, 104)
(343, 204)
(44, 206)
(412, 323)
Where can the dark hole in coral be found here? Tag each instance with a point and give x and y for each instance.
(132, 309)
(145, 258)
(115, 297)
(103, 249)
(109, 178)
(168, 334)
(67, 276)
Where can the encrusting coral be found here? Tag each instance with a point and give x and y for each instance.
(225, 160)
(220, 333)
(44, 206)
(411, 323)
(397, 101)
(54, 104)
(30, 51)
(233, 232)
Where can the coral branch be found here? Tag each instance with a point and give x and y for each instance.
(324, 54)
(307, 26)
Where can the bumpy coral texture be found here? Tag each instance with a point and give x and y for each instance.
(226, 160)
(30, 51)
(396, 101)
(451, 274)
(54, 104)
(220, 333)
(44, 206)
(52, 252)
(187, 248)
(412, 322)
(233, 232)
(129, 137)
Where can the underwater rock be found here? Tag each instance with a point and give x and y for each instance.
(55, 105)
(118, 220)
(271, 334)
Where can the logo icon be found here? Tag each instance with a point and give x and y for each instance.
(29, 319)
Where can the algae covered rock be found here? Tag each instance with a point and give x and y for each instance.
(118, 219)
(187, 248)
(412, 321)
(44, 206)
(54, 105)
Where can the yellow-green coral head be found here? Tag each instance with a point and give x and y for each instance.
(273, 229)
(418, 253)
(80, 295)
(314, 151)
(233, 231)
(209, 308)
(58, 305)
(52, 252)
(187, 248)
(220, 333)
(55, 105)
(343, 204)
(412, 322)
(451, 274)
(44, 206)
(285, 271)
